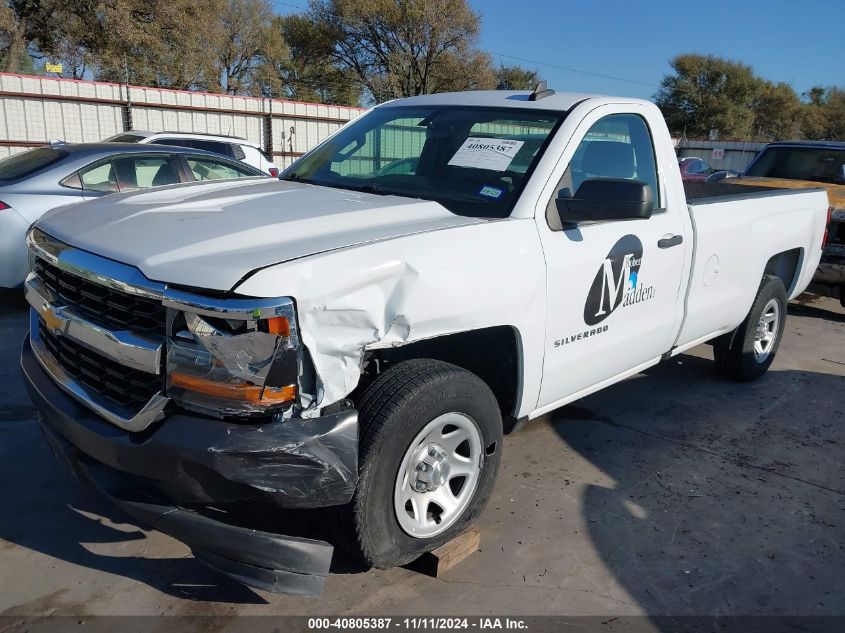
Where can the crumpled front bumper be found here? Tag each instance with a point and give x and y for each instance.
(188, 462)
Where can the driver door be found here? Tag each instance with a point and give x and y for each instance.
(612, 286)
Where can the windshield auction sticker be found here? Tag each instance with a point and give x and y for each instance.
(486, 153)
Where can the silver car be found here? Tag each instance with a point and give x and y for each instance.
(33, 182)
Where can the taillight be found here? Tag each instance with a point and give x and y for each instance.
(827, 227)
(3, 205)
(274, 172)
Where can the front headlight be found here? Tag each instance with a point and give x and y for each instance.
(232, 358)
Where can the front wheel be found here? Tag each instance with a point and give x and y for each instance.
(747, 352)
(430, 446)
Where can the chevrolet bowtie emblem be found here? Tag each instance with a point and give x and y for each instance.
(51, 319)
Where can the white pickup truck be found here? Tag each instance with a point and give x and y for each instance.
(359, 335)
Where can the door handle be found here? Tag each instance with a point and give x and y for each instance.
(669, 242)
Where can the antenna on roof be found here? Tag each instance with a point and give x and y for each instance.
(540, 92)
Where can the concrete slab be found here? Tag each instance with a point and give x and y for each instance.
(675, 492)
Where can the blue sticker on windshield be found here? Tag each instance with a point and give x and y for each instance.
(490, 192)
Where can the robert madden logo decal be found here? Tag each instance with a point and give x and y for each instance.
(616, 284)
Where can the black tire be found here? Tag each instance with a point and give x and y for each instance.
(842, 296)
(734, 352)
(392, 411)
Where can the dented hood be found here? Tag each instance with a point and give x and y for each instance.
(211, 235)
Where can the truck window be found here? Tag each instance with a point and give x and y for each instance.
(816, 164)
(617, 146)
(473, 161)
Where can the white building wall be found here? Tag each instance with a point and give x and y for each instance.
(36, 110)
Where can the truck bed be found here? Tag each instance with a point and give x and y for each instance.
(699, 190)
(738, 229)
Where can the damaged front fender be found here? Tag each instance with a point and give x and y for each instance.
(338, 331)
(389, 293)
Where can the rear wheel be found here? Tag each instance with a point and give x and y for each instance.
(430, 447)
(747, 352)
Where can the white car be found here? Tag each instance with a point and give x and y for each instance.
(357, 337)
(231, 146)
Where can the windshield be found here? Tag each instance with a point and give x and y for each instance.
(819, 164)
(27, 163)
(474, 161)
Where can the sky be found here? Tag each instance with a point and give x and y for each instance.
(799, 42)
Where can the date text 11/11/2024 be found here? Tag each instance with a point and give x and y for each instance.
(418, 623)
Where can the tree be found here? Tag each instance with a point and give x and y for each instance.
(708, 93)
(778, 112)
(307, 72)
(15, 32)
(243, 39)
(516, 78)
(73, 39)
(162, 43)
(22, 23)
(835, 109)
(65, 31)
(824, 114)
(399, 48)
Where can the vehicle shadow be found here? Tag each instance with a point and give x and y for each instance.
(14, 403)
(725, 498)
(815, 303)
(808, 310)
(11, 299)
(46, 510)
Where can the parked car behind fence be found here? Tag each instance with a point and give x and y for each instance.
(231, 146)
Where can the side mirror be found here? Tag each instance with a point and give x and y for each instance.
(601, 199)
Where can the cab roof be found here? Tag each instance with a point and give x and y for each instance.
(558, 101)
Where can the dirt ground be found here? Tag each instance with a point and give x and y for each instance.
(676, 492)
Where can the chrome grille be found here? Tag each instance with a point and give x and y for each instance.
(129, 389)
(98, 327)
(108, 307)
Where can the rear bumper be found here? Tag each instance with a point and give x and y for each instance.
(189, 461)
